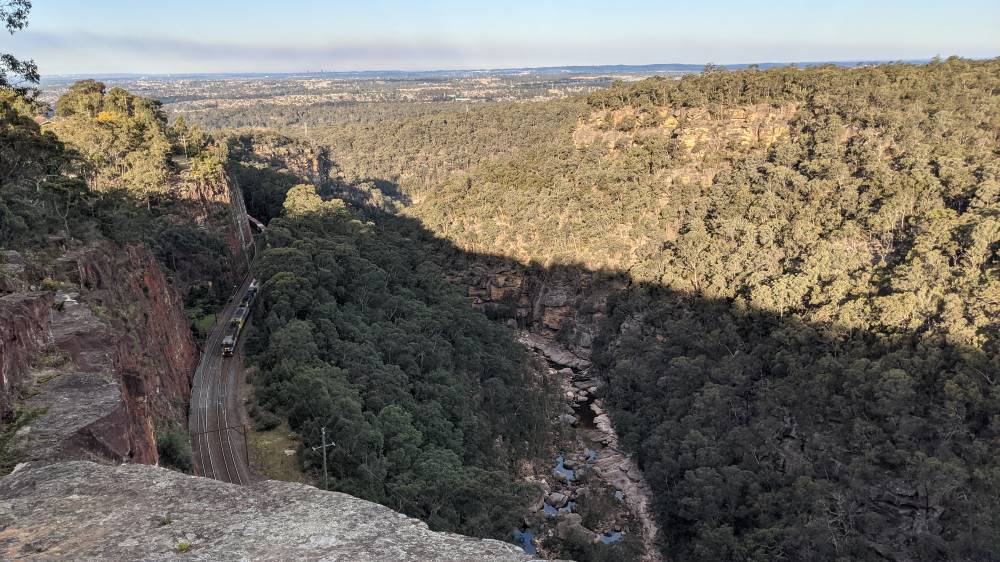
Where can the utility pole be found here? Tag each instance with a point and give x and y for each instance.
(326, 478)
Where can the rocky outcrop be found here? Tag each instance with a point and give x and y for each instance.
(619, 470)
(86, 511)
(553, 352)
(220, 206)
(12, 266)
(599, 453)
(24, 327)
(559, 310)
(154, 354)
(111, 358)
(702, 140)
(309, 162)
(85, 418)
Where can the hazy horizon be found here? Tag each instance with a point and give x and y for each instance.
(687, 67)
(114, 37)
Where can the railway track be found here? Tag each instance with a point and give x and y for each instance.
(216, 417)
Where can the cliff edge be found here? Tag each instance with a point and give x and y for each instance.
(85, 511)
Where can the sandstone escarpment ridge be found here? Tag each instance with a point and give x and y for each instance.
(85, 511)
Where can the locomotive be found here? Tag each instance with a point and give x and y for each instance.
(235, 326)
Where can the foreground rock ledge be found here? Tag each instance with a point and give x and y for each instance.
(85, 511)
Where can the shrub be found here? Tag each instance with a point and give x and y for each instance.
(49, 284)
(174, 447)
(9, 438)
(263, 420)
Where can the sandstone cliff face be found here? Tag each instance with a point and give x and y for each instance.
(560, 309)
(24, 324)
(154, 354)
(220, 206)
(85, 511)
(701, 140)
(735, 127)
(311, 163)
(109, 356)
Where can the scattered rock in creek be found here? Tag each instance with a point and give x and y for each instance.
(597, 408)
(558, 499)
(568, 419)
(571, 525)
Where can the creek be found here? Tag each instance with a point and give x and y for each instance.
(602, 455)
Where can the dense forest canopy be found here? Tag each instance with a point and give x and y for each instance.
(43, 197)
(429, 403)
(123, 142)
(808, 366)
(410, 148)
(806, 361)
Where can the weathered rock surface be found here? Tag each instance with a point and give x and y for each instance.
(24, 325)
(603, 457)
(84, 417)
(553, 352)
(154, 353)
(141, 338)
(568, 419)
(558, 313)
(620, 471)
(545, 303)
(85, 511)
(701, 135)
(557, 499)
(108, 356)
(12, 266)
(570, 526)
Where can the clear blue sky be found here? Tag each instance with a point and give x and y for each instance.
(105, 36)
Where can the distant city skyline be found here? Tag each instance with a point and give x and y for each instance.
(185, 36)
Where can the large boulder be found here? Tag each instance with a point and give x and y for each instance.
(553, 352)
(568, 419)
(570, 527)
(558, 499)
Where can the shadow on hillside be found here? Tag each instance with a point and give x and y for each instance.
(762, 433)
(273, 177)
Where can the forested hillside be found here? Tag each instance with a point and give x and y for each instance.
(74, 182)
(806, 361)
(808, 365)
(409, 149)
(430, 404)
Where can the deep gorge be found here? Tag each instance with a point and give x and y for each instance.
(779, 288)
(803, 266)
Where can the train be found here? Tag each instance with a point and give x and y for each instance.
(235, 326)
